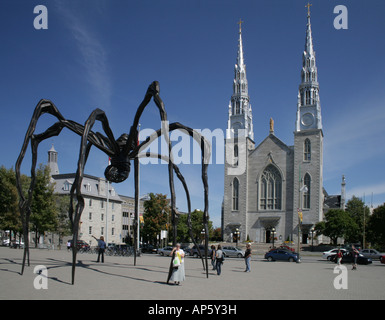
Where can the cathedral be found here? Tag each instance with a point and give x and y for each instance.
(272, 190)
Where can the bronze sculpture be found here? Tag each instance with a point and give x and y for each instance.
(121, 152)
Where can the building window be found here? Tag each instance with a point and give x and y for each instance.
(237, 107)
(102, 217)
(236, 155)
(270, 189)
(90, 215)
(113, 231)
(90, 202)
(101, 204)
(102, 231)
(66, 186)
(306, 193)
(307, 150)
(308, 100)
(89, 230)
(235, 194)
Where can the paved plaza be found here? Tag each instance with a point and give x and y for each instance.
(118, 278)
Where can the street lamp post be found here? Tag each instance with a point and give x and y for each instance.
(236, 236)
(312, 237)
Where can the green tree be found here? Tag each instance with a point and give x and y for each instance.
(360, 213)
(9, 210)
(337, 224)
(376, 227)
(183, 234)
(155, 216)
(63, 222)
(43, 207)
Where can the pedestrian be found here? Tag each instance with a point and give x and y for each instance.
(339, 257)
(178, 273)
(355, 254)
(220, 258)
(212, 256)
(68, 245)
(248, 257)
(101, 248)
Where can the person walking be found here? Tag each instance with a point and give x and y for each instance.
(219, 257)
(248, 257)
(339, 257)
(68, 245)
(178, 272)
(355, 254)
(101, 248)
(212, 256)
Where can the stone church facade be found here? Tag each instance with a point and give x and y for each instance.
(269, 187)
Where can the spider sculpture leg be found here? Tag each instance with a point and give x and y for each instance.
(205, 151)
(106, 144)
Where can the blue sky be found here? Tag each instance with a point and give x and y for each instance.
(105, 54)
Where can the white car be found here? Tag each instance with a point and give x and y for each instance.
(328, 254)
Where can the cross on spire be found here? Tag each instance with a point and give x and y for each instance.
(308, 8)
(240, 25)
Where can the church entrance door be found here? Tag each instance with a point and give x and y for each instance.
(268, 236)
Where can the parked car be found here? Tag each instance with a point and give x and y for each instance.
(372, 254)
(14, 243)
(327, 254)
(149, 248)
(194, 251)
(233, 252)
(382, 259)
(279, 254)
(166, 251)
(348, 258)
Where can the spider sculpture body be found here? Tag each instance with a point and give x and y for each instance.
(121, 152)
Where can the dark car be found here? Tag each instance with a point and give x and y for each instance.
(149, 248)
(280, 254)
(382, 259)
(194, 251)
(348, 258)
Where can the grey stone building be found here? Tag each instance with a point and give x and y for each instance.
(270, 185)
(102, 214)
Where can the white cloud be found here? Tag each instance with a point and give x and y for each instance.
(93, 55)
(375, 189)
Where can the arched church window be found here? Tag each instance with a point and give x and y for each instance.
(270, 189)
(235, 206)
(236, 155)
(307, 150)
(306, 193)
(237, 107)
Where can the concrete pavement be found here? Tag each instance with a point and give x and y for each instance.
(118, 278)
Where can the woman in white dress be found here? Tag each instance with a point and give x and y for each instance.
(178, 274)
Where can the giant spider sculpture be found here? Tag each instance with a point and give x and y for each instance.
(121, 152)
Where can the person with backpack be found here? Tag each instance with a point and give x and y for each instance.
(219, 258)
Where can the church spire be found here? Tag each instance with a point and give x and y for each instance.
(240, 113)
(240, 61)
(309, 107)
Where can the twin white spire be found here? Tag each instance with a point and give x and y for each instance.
(240, 113)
